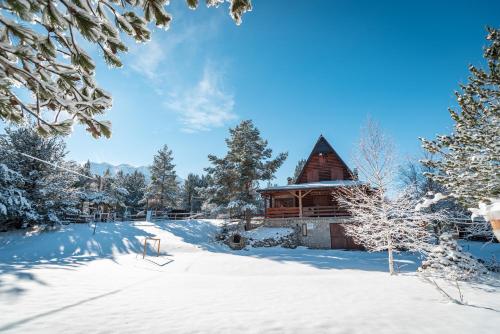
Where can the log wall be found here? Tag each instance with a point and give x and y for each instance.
(324, 167)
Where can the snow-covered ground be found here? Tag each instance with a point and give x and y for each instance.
(70, 281)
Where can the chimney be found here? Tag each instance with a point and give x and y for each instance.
(290, 180)
(355, 174)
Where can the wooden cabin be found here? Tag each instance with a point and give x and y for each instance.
(310, 202)
(313, 193)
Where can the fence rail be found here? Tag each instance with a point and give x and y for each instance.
(112, 216)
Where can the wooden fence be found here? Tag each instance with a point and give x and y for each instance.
(111, 216)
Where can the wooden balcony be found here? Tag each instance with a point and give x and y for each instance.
(323, 211)
(290, 212)
(313, 211)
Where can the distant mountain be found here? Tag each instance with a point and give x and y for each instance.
(100, 168)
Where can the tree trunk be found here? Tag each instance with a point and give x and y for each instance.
(390, 254)
(391, 260)
(248, 220)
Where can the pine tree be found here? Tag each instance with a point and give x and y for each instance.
(41, 56)
(298, 169)
(135, 184)
(131, 190)
(114, 188)
(163, 190)
(85, 183)
(191, 192)
(51, 190)
(15, 208)
(449, 260)
(90, 188)
(469, 162)
(235, 177)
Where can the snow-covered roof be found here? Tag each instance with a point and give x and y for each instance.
(315, 185)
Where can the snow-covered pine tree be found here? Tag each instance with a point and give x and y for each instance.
(15, 208)
(47, 75)
(470, 157)
(378, 222)
(190, 193)
(50, 190)
(163, 190)
(102, 192)
(135, 184)
(89, 189)
(447, 259)
(114, 188)
(235, 177)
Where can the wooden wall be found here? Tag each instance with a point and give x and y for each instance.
(325, 167)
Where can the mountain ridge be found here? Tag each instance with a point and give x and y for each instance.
(99, 168)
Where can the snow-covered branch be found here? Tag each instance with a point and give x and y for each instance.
(46, 75)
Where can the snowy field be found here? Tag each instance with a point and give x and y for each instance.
(70, 281)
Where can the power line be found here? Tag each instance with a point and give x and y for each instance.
(53, 165)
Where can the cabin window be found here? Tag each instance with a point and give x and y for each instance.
(304, 230)
(284, 202)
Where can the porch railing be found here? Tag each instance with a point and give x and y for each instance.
(323, 211)
(282, 212)
(311, 211)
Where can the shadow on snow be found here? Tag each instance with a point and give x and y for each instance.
(64, 249)
(74, 245)
(201, 233)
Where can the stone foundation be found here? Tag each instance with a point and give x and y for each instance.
(317, 230)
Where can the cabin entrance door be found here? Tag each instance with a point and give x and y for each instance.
(338, 237)
(340, 240)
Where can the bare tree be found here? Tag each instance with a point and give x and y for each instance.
(380, 223)
(433, 196)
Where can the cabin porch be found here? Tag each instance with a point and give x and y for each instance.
(303, 203)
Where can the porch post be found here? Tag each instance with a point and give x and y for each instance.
(265, 205)
(300, 203)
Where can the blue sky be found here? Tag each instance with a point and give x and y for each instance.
(298, 69)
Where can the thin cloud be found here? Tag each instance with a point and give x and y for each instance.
(171, 63)
(157, 58)
(204, 107)
(147, 59)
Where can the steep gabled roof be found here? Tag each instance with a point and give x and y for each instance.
(322, 146)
